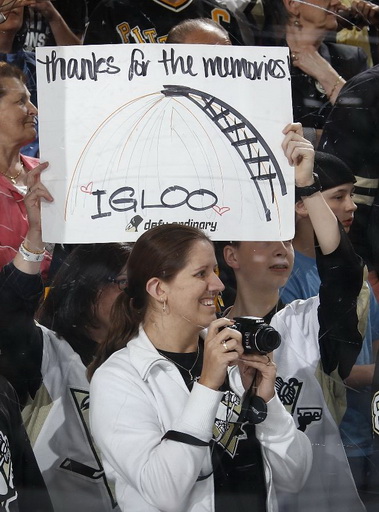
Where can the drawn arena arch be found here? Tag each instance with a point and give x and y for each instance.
(241, 134)
(116, 136)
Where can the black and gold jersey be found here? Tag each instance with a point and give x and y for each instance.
(149, 21)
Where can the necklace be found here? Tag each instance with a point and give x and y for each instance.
(183, 367)
(14, 178)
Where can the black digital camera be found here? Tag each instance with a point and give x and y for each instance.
(257, 336)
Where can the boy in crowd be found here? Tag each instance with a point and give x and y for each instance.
(337, 182)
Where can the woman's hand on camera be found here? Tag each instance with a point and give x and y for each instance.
(263, 370)
(222, 348)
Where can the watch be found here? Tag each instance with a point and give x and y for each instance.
(308, 190)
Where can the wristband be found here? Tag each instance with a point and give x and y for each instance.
(27, 255)
(33, 252)
(308, 190)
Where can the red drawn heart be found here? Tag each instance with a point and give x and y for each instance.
(220, 210)
(87, 189)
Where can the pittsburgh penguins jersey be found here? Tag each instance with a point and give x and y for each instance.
(58, 428)
(149, 21)
(313, 399)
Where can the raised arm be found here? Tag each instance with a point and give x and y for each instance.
(340, 269)
(300, 154)
(62, 33)
(31, 253)
(20, 290)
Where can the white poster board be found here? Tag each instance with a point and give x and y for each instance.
(140, 135)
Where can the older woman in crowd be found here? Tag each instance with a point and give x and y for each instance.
(17, 128)
(319, 68)
(13, 26)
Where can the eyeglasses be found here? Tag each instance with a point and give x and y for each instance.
(121, 282)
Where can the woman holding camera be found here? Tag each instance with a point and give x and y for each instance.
(156, 403)
(320, 337)
(166, 405)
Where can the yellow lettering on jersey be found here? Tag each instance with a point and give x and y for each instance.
(219, 15)
(150, 35)
(137, 35)
(162, 39)
(124, 30)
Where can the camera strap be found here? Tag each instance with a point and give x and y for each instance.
(181, 437)
(253, 410)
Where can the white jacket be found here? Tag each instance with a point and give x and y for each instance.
(137, 396)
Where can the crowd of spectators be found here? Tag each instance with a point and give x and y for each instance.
(333, 49)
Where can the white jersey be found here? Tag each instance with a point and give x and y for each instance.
(57, 424)
(305, 391)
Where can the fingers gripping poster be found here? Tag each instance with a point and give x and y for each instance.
(141, 135)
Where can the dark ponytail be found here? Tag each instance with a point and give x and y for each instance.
(125, 322)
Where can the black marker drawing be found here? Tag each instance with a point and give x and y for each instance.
(145, 169)
(242, 135)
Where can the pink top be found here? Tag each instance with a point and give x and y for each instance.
(13, 218)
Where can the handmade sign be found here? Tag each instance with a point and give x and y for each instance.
(140, 135)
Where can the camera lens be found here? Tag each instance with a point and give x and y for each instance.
(266, 339)
(257, 336)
